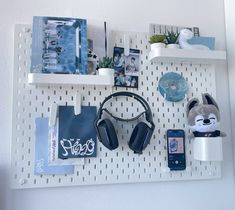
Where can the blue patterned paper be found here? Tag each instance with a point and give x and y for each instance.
(41, 166)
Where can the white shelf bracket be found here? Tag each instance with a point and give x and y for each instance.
(78, 103)
(53, 114)
(126, 44)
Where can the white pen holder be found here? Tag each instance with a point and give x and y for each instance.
(208, 148)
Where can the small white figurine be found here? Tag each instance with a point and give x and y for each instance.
(185, 35)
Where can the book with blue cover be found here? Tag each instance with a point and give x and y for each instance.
(41, 166)
(59, 45)
(77, 134)
(207, 41)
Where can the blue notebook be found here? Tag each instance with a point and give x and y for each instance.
(41, 152)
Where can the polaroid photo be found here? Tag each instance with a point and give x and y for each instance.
(132, 63)
(126, 68)
(119, 60)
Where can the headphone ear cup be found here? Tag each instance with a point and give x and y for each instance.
(107, 134)
(140, 137)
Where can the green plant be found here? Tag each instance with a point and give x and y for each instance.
(105, 62)
(172, 38)
(157, 38)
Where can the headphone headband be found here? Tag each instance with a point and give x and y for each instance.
(148, 112)
(141, 134)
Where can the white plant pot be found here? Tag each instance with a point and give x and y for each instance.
(106, 72)
(157, 45)
(173, 46)
(208, 148)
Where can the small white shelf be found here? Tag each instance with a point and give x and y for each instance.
(186, 55)
(208, 148)
(69, 79)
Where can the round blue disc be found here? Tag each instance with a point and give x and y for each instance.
(173, 87)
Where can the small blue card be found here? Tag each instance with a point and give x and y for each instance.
(77, 134)
(41, 152)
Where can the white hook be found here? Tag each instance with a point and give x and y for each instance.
(22, 181)
(164, 96)
(78, 103)
(53, 115)
(126, 44)
(166, 169)
(188, 169)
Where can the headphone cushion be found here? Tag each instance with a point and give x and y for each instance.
(140, 137)
(107, 134)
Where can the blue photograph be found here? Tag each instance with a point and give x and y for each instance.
(59, 45)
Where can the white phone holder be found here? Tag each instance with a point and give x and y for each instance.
(208, 148)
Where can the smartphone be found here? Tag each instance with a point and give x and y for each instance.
(176, 149)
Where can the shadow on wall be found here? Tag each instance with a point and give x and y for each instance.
(5, 190)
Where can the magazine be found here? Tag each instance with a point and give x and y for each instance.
(59, 45)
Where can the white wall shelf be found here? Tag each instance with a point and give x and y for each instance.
(69, 79)
(186, 55)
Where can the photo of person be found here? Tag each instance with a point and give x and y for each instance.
(118, 59)
(126, 68)
(132, 65)
(120, 79)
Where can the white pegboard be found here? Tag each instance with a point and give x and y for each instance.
(120, 165)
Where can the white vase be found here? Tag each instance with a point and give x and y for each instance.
(106, 71)
(157, 45)
(173, 46)
(208, 148)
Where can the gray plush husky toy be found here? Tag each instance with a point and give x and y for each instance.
(204, 118)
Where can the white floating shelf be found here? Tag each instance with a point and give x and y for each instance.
(186, 55)
(69, 79)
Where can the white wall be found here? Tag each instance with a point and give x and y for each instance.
(121, 15)
(230, 34)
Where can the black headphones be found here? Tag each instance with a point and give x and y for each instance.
(141, 134)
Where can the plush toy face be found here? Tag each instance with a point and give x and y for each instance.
(204, 117)
(205, 124)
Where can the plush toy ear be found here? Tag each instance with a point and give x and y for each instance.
(192, 103)
(208, 99)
